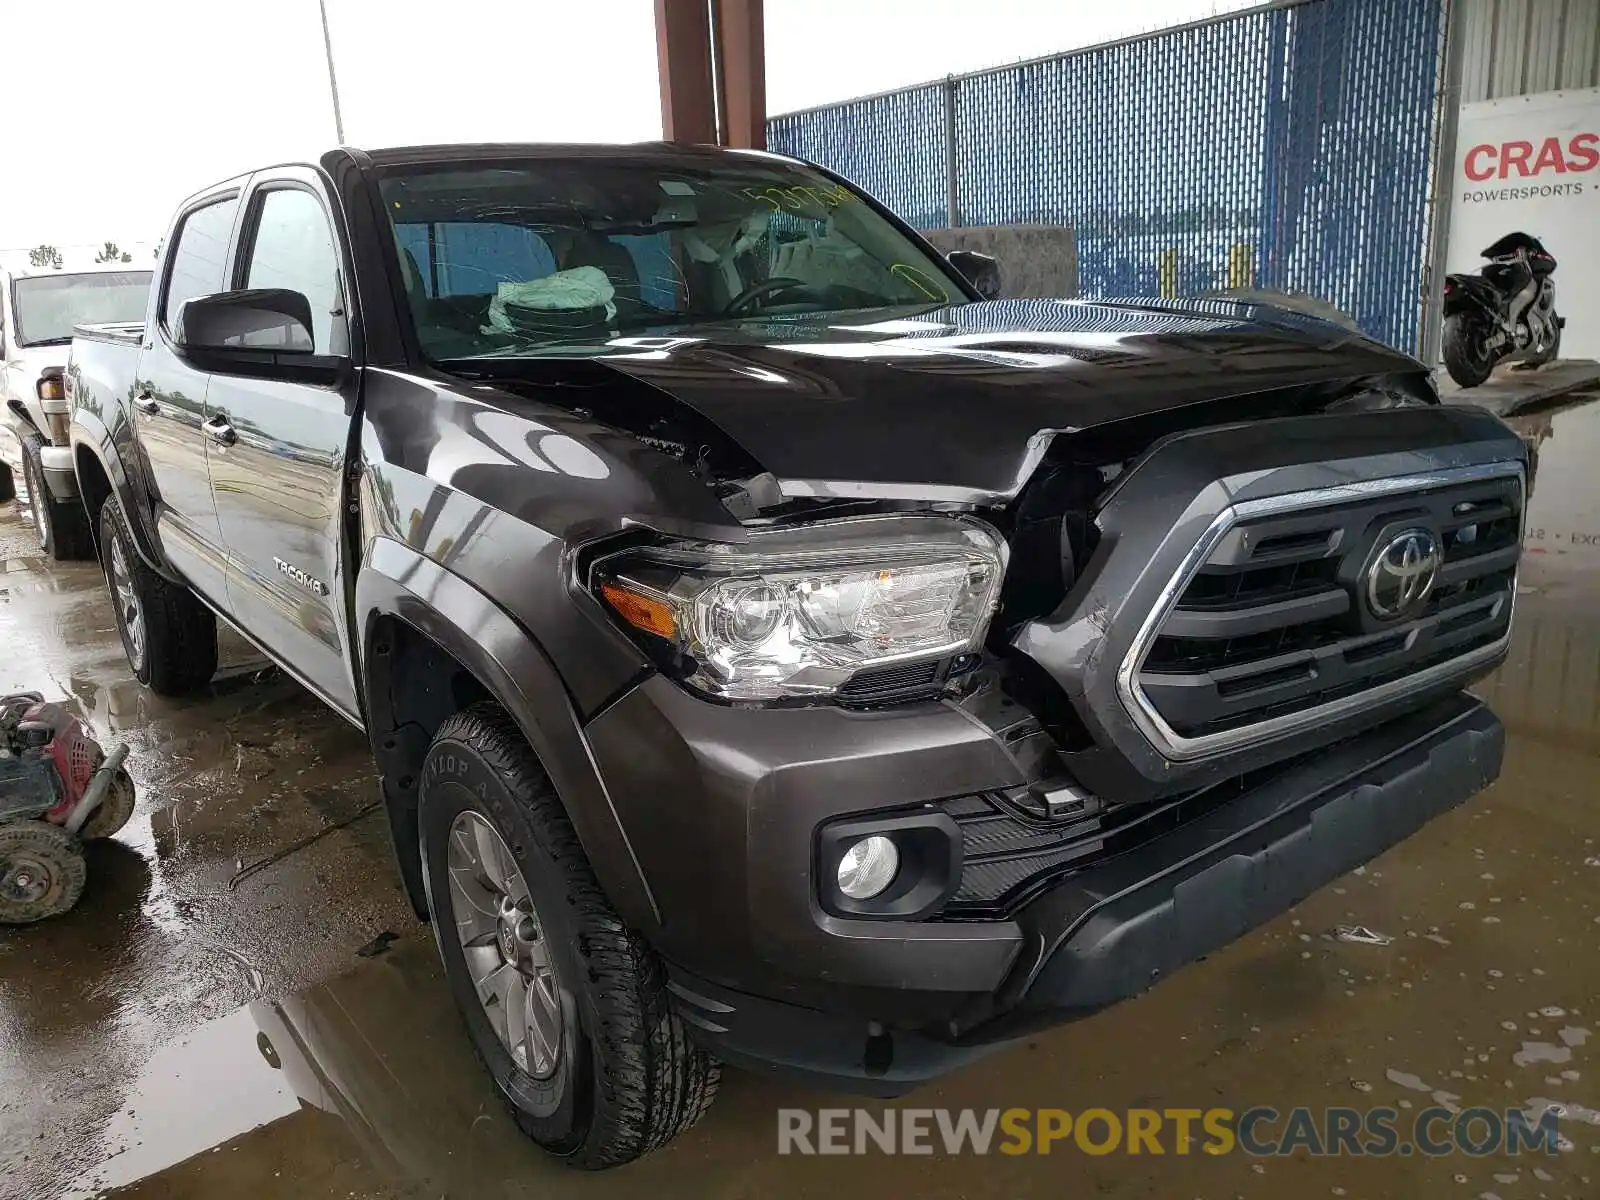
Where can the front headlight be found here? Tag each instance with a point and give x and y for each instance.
(798, 611)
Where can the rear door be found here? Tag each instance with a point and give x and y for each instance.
(169, 398)
(278, 456)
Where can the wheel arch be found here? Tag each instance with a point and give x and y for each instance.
(101, 475)
(432, 644)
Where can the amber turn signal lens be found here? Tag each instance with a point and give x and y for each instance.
(640, 611)
(50, 388)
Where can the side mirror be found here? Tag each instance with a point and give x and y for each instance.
(980, 270)
(264, 332)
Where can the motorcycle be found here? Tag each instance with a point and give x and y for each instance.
(1504, 313)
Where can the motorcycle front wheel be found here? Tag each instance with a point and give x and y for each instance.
(1465, 356)
(1553, 351)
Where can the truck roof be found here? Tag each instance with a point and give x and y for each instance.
(653, 152)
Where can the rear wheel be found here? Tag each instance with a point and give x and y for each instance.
(169, 636)
(1465, 356)
(42, 872)
(62, 526)
(564, 1004)
(7, 488)
(115, 811)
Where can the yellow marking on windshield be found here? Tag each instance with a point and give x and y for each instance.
(920, 280)
(793, 199)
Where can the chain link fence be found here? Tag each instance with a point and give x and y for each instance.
(1288, 148)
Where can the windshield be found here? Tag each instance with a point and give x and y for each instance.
(48, 306)
(562, 255)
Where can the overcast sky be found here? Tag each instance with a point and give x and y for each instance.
(118, 108)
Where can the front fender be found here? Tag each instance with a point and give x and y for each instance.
(397, 581)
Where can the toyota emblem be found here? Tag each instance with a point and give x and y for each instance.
(1402, 575)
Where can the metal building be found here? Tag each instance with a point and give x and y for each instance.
(1518, 47)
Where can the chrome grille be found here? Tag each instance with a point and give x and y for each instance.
(1270, 624)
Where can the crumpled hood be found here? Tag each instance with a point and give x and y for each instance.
(959, 402)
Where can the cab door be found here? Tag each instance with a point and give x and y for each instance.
(169, 400)
(278, 450)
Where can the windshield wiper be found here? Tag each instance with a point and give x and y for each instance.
(55, 341)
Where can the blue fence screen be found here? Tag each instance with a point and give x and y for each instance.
(1288, 148)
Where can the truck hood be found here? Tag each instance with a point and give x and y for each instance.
(959, 403)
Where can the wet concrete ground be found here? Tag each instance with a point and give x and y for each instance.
(202, 1027)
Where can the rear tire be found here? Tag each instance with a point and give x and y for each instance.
(1465, 358)
(622, 1078)
(7, 488)
(115, 811)
(169, 636)
(62, 526)
(42, 872)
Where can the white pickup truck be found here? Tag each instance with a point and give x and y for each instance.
(38, 309)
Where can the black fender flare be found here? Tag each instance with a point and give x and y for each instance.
(23, 415)
(397, 581)
(89, 435)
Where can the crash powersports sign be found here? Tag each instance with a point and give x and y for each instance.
(1531, 164)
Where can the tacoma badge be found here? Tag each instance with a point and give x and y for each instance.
(310, 582)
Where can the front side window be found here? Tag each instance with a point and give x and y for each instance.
(48, 306)
(563, 255)
(199, 256)
(293, 249)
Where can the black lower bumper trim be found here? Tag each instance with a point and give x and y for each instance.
(1110, 933)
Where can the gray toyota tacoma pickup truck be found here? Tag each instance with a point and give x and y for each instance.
(777, 650)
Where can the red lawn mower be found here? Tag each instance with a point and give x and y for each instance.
(58, 790)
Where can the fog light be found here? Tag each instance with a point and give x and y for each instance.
(868, 867)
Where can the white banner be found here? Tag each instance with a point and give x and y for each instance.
(1531, 164)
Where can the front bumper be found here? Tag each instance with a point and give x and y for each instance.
(60, 476)
(1106, 932)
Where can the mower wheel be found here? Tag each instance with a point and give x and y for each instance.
(42, 872)
(115, 811)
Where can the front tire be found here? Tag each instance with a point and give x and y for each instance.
(62, 526)
(170, 638)
(1553, 352)
(1465, 357)
(607, 1072)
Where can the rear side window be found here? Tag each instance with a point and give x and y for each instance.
(293, 249)
(199, 253)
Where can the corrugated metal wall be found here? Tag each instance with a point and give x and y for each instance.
(1515, 47)
(1288, 147)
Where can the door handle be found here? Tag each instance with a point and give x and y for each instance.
(220, 431)
(145, 402)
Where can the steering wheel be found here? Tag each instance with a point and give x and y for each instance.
(741, 304)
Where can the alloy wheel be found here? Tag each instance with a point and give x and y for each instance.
(129, 611)
(502, 942)
(36, 501)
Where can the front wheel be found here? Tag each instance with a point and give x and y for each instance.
(42, 872)
(1553, 350)
(62, 526)
(564, 1004)
(1467, 359)
(170, 637)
